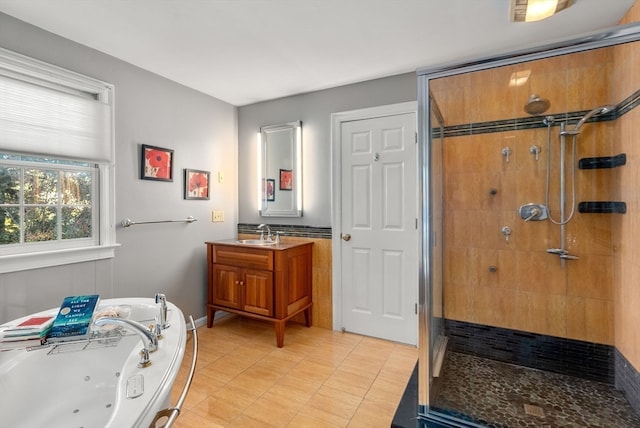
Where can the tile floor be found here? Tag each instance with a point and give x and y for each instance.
(320, 378)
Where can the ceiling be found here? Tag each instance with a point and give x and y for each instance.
(247, 51)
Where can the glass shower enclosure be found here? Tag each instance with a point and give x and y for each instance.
(497, 305)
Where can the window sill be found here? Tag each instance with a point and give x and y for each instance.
(19, 262)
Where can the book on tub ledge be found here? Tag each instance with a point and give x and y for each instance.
(73, 321)
(26, 332)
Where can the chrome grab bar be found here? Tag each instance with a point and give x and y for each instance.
(171, 414)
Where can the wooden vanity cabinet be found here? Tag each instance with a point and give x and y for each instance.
(243, 289)
(271, 283)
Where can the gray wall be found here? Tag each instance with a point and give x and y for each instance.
(149, 109)
(314, 110)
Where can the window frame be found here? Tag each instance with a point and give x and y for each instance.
(30, 70)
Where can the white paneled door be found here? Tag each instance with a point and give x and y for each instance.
(379, 227)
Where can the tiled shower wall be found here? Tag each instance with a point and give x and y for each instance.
(530, 290)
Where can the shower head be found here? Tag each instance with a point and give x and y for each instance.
(595, 112)
(536, 105)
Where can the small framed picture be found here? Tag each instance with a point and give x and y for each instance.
(156, 163)
(269, 190)
(196, 184)
(286, 179)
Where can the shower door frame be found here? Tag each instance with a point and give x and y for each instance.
(609, 37)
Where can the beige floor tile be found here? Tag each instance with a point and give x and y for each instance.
(373, 414)
(312, 370)
(189, 419)
(246, 421)
(339, 403)
(331, 353)
(256, 378)
(354, 383)
(320, 378)
(323, 418)
(218, 410)
(309, 421)
(276, 413)
(293, 399)
(385, 388)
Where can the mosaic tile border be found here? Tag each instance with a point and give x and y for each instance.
(628, 380)
(585, 360)
(289, 230)
(522, 123)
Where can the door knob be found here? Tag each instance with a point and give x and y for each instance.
(346, 237)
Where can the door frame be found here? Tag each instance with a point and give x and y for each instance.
(337, 119)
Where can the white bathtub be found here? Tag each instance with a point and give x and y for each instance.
(94, 383)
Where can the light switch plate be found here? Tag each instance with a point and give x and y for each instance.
(217, 216)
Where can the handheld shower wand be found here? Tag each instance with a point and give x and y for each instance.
(607, 108)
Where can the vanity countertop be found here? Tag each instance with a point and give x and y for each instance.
(278, 247)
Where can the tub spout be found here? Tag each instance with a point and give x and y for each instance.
(149, 339)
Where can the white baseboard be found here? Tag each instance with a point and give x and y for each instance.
(203, 320)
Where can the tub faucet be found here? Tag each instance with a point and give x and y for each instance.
(149, 339)
(162, 300)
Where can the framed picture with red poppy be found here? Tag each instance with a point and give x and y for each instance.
(286, 179)
(268, 189)
(156, 163)
(196, 184)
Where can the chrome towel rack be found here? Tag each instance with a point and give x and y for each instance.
(128, 222)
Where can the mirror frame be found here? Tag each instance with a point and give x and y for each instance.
(270, 208)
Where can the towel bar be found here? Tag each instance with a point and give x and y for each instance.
(128, 222)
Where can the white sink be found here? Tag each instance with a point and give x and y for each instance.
(254, 242)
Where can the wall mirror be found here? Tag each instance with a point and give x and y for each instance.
(280, 170)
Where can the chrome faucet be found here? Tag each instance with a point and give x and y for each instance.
(149, 339)
(260, 228)
(162, 300)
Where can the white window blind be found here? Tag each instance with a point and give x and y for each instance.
(44, 109)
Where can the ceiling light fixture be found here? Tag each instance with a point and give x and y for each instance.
(536, 10)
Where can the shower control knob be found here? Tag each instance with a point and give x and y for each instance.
(506, 152)
(506, 231)
(529, 212)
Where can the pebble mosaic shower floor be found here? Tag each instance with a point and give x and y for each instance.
(500, 395)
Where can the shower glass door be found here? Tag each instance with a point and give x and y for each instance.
(438, 341)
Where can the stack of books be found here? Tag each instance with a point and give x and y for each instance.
(25, 332)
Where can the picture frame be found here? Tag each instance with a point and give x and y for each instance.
(268, 189)
(196, 184)
(286, 179)
(156, 163)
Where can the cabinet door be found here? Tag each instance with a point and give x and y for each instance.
(227, 286)
(258, 292)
